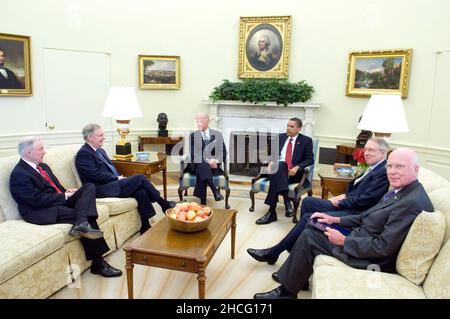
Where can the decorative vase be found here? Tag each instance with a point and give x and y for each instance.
(360, 169)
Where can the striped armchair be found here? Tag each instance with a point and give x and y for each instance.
(188, 180)
(296, 190)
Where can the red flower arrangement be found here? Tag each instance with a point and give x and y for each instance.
(358, 155)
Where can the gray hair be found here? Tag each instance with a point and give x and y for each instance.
(89, 130)
(265, 38)
(26, 144)
(381, 142)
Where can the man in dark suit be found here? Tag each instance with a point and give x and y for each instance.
(376, 237)
(8, 79)
(94, 166)
(42, 200)
(207, 151)
(295, 154)
(363, 193)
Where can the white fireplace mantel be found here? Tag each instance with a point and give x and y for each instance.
(240, 116)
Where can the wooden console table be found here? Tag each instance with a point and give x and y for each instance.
(156, 163)
(167, 140)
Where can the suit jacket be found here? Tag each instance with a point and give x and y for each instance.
(379, 232)
(93, 170)
(368, 191)
(38, 201)
(200, 152)
(302, 155)
(11, 82)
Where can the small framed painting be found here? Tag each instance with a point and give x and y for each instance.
(159, 72)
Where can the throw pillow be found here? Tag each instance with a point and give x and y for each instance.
(421, 245)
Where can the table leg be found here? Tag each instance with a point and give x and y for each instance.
(201, 282)
(129, 267)
(165, 183)
(233, 235)
(325, 193)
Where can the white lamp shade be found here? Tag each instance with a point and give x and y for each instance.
(385, 114)
(122, 103)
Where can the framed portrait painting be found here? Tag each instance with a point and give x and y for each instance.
(15, 65)
(264, 44)
(159, 72)
(382, 72)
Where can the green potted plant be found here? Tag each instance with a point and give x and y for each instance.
(263, 90)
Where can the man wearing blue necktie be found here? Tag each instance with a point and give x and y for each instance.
(94, 166)
(208, 152)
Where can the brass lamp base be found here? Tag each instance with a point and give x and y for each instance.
(123, 152)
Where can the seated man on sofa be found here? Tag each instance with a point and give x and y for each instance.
(363, 193)
(376, 236)
(42, 200)
(94, 166)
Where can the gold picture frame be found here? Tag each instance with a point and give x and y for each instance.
(159, 72)
(264, 45)
(15, 75)
(385, 72)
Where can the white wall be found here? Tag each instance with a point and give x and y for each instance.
(205, 35)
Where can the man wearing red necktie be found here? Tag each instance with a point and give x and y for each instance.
(296, 153)
(42, 200)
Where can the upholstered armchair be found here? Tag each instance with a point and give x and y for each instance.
(296, 190)
(188, 180)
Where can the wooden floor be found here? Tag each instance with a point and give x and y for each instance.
(240, 278)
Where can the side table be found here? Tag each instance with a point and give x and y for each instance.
(332, 182)
(156, 163)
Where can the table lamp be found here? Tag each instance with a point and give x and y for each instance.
(122, 104)
(384, 115)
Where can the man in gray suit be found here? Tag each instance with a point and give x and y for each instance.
(376, 237)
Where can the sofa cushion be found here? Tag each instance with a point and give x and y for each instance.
(118, 205)
(23, 244)
(73, 166)
(325, 260)
(340, 282)
(103, 215)
(59, 159)
(2, 219)
(7, 203)
(421, 245)
(440, 199)
(431, 180)
(437, 283)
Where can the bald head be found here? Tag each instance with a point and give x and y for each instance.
(402, 167)
(202, 121)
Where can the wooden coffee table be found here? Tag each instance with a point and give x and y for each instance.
(163, 247)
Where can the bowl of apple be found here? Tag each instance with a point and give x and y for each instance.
(189, 217)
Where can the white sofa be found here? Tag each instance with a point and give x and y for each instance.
(36, 261)
(423, 264)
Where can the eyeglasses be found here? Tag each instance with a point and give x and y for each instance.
(397, 167)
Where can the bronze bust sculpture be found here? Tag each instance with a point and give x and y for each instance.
(162, 124)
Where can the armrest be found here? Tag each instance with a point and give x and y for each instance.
(183, 160)
(307, 176)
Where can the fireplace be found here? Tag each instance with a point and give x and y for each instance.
(250, 150)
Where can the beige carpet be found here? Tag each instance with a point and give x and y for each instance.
(226, 278)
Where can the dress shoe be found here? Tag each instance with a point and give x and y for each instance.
(85, 230)
(267, 218)
(262, 255)
(169, 204)
(277, 293)
(104, 269)
(218, 196)
(289, 209)
(275, 277)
